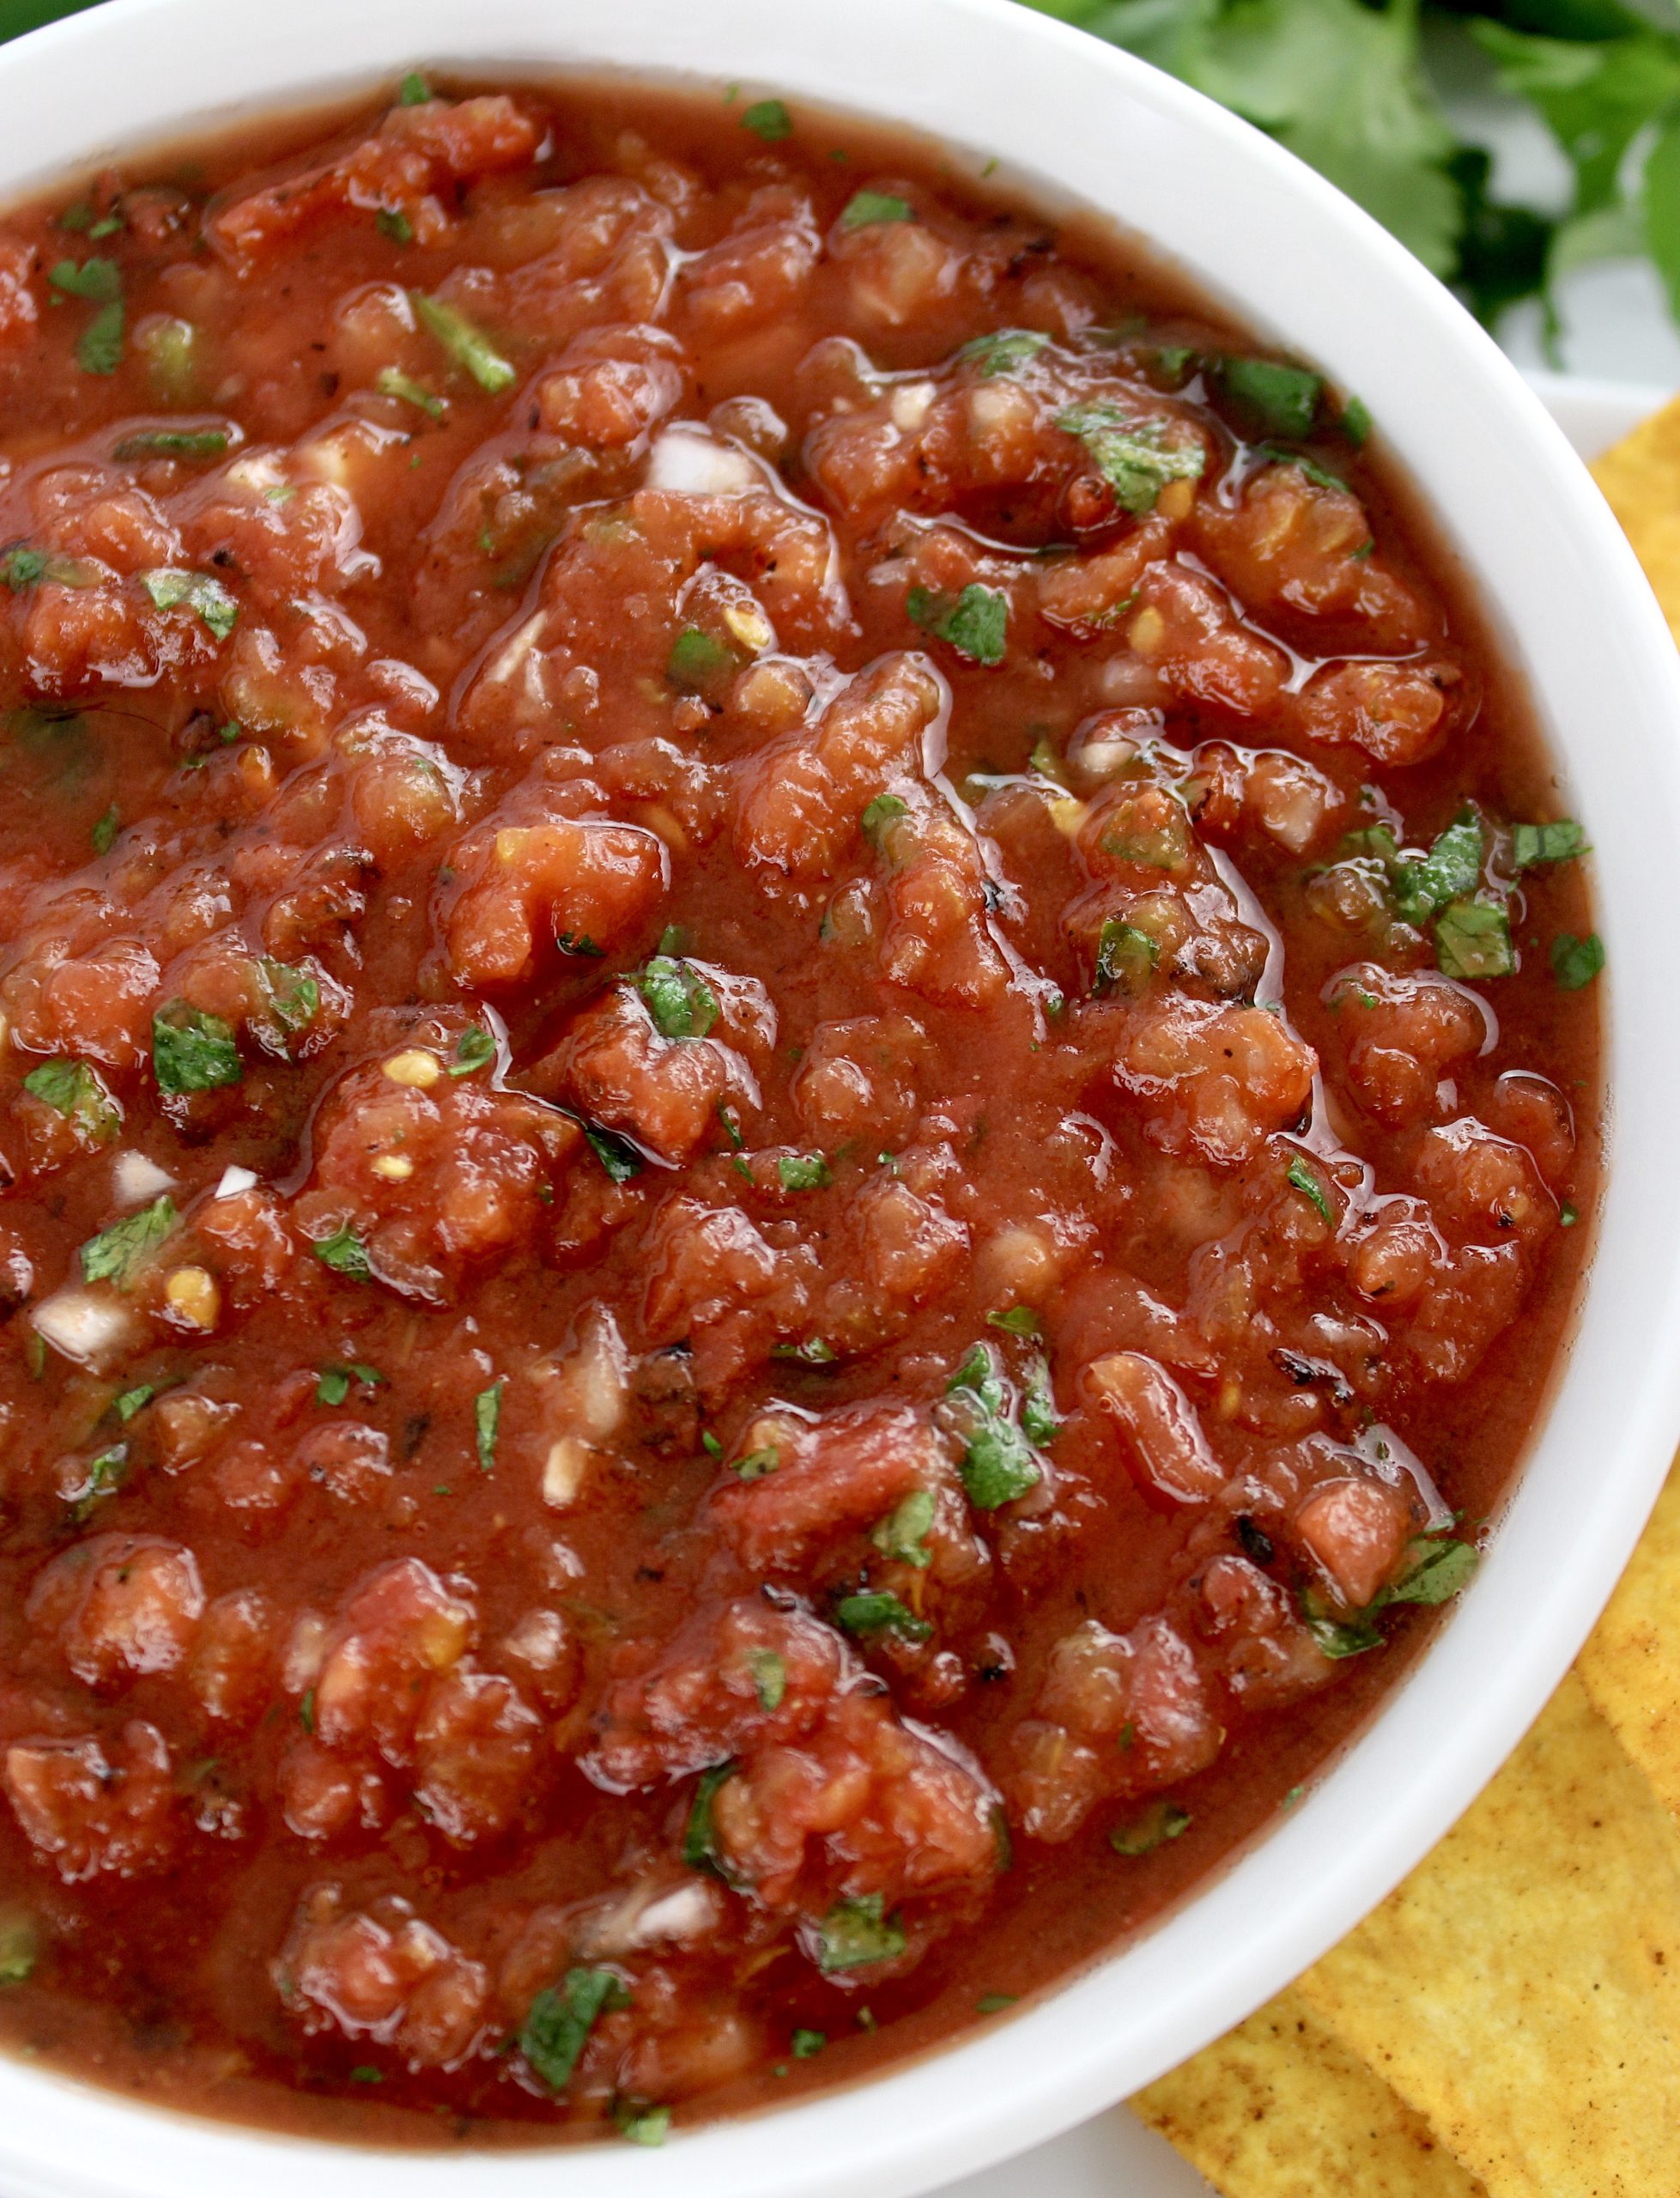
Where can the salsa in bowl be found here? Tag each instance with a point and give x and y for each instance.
(803, 1086)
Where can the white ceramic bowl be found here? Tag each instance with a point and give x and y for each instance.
(1291, 257)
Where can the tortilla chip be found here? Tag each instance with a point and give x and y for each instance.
(1642, 478)
(1281, 2109)
(1631, 1665)
(1522, 1990)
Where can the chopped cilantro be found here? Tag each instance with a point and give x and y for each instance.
(293, 997)
(469, 347)
(105, 1475)
(902, 1535)
(366, 2075)
(816, 1350)
(866, 208)
(104, 834)
(700, 1848)
(19, 1949)
(487, 1422)
(578, 944)
(334, 1385)
(1576, 962)
(345, 1254)
(855, 1933)
(769, 1678)
(1568, 1215)
(1039, 1421)
(757, 1463)
(1561, 842)
(1135, 457)
(1280, 400)
(392, 381)
(1423, 884)
(679, 999)
(976, 625)
(808, 2044)
(639, 2123)
(732, 1129)
(1162, 1821)
(1301, 1178)
(306, 1712)
(133, 1400)
(1437, 1568)
(998, 1465)
(698, 661)
(1125, 958)
(804, 1171)
(884, 810)
(192, 1050)
(1355, 422)
(993, 2003)
(173, 442)
(74, 1089)
(99, 280)
(875, 1611)
(117, 1253)
(558, 2022)
(414, 90)
(170, 588)
(1319, 475)
(99, 349)
(616, 1154)
(1473, 939)
(768, 119)
(474, 1049)
(21, 567)
(1019, 1320)
(1004, 351)
(392, 222)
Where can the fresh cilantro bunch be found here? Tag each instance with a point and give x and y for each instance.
(1354, 89)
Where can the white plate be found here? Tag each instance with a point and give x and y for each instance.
(1115, 2156)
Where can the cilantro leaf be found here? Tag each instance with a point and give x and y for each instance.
(469, 347)
(679, 999)
(345, 1254)
(1473, 939)
(191, 1050)
(856, 1933)
(74, 1089)
(1561, 842)
(975, 624)
(474, 1049)
(1576, 962)
(98, 280)
(293, 996)
(1422, 884)
(99, 349)
(200, 592)
(1161, 1822)
(559, 2020)
(1005, 351)
(698, 661)
(616, 1154)
(1125, 957)
(487, 1422)
(117, 1253)
(804, 1171)
(902, 1535)
(867, 209)
(1135, 457)
(768, 119)
(885, 810)
(700, 1848)
(877, 1610)
(21, 567)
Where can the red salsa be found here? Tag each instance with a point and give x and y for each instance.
(796, 1043)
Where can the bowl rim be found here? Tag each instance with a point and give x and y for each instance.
(1556, 576)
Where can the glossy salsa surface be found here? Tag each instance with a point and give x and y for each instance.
(798, 1050)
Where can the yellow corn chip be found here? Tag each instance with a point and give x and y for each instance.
(1631, 1665)
(1642, 478)
(1281, 2109)
(1522, 1990)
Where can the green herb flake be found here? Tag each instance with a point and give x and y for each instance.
(616, 1154)
(1302, 1178)
(975, 624)
(882, 812)
(804, 1171)
(104, 834)
(469, 347)
(333, 1386)
(1576, 962)
(474, 1049)
(366, 2075)
(1127, 957)
(998, 1465)
(994, 2003)
(580, 945)
(487, 1422)
(698, 661)
(679, 999)
(1449, 871)
(392, 381)
(99, 280)
(699, 1838)
(867, 209)
(392, 222)
(117, 1253)
(1039, 1421)
(1163, 1821)
(105, 1475)
(1439, 1568)
(74, 1089)
(21, 567)
(1319, 475)
(808, 2044)
(293, 995)
(99, 349)
(639, 2123)
(306, 1712)
(902, 1535)
(732, 1129)
(1019, 1320)
(1355, 422)
(815, 1351)
(1280, 400)
(757, 1463)
(173, 442)
(1135, 457)
(19, 1950)
(171, 589)
(1567, 1216)
(855, 1935)
(1005, 351)
(345, 1254)
(1561, 842)
(132, 1401)
(558, 2023)
(768, 119)
(875, 1611)
(414, 91)
(1473, 939)
(192, 1050)
(769, 1679)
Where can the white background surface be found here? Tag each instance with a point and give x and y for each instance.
(1115, 2156)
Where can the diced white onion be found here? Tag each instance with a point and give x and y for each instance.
(692, 464)
(138, 1181)
(911, 402)
(89, 1326)
(306, 1652)
(235, 1179)
(563, 1472)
